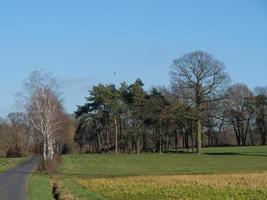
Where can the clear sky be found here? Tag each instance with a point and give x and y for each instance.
(84, 42)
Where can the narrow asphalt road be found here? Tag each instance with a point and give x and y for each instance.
(13, 183)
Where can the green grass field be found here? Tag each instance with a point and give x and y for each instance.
(219, 173)
(9, 163)
(213, 160)
(39, 187)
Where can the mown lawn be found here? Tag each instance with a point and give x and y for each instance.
(9, 163)
(219, 173)
(213, 160)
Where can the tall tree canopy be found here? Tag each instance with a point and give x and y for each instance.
(198, 77)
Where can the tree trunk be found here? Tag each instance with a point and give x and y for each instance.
(251, 136)
(186, 141)
(237, 134)
(263, 136)
(160, 145)
(192, 138)
(160, 141)
(247, 130)
(50, 147)
(116, 135)
(107, 137)
(168, 144)
(138, 145)
(99, 142)
(144, 142)
(199, 133)
(44, 150)
(176, 140)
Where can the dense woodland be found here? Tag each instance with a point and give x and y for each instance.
(201, 107)
(129, 119)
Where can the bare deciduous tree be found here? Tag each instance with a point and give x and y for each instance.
(44, 111)
(261, 112)
(15, 138)
(43, 114)
(198, 77)
(239, 111)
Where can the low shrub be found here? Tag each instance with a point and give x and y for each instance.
(14, 153)
(50, 166)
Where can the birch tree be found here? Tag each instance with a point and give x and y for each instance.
(44, 111)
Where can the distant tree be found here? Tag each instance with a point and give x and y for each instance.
(181, 118)
(3, 136)
(158, 113)
(261, 112)
(103, 105)
(64, 136)
(20, 138)
(186, 116)
(115, 105)
(94, 110)
(124, 117)
(214, 121)
(200, 78)
(137, 103)
(239, 111)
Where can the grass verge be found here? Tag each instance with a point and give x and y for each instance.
(9, 163)
(39, 187)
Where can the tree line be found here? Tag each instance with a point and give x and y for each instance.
(42, 126)
(200, 108)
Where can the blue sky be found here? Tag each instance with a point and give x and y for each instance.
(83, 42)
